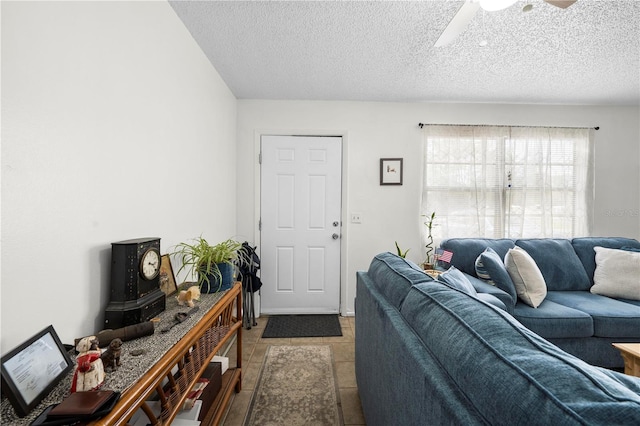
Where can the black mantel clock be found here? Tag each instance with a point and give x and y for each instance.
(135, 284)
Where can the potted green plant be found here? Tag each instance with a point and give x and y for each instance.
(429, 258)
(402, 254)
(213, 264)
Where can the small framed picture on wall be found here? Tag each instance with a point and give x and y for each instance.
(391, 171)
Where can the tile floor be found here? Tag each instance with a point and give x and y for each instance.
(254, 348)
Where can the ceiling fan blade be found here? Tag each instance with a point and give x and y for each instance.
(458, 24)
(561, 3)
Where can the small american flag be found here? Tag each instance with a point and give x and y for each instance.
(444, 255)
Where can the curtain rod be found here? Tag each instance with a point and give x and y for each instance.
(421, 125)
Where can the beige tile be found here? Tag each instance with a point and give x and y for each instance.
(251, 336)
(250, 373)
(275, 341)
(346, 373)
(238, 408)
(262, 321)
(259, 351)
(343, 352)
(306, 340)
(352, 324)
(345, 338)
(247, 350)
(351, 407)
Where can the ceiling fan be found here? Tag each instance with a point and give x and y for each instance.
(468, 10)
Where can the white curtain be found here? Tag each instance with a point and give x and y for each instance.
(511, 182)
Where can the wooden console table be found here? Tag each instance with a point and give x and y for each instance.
(190, 357)
(168, 366)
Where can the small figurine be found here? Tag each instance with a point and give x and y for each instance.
(111, 357)
(188, 296)
(89, 374)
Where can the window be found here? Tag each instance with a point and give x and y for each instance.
(507, 182)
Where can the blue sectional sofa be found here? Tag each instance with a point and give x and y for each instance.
(570, 316)
(427, 353)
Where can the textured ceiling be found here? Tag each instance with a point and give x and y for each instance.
(383, 51)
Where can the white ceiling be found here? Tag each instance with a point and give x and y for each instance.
(383, 51)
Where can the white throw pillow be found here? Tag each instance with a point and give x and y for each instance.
(526, 276)
(617, 273)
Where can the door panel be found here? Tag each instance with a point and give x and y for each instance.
(300, 214)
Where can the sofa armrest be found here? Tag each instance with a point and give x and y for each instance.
(483, 287)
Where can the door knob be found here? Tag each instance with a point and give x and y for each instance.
(335, 236)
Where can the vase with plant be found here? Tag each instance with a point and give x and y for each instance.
(213, 264)
(429, 261)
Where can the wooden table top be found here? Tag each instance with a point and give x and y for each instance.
(630, 348)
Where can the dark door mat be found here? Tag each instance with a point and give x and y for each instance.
(302, 326)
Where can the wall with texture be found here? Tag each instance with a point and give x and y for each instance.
(391, 213)
(114, 126)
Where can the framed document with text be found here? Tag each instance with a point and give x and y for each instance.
(30, 371)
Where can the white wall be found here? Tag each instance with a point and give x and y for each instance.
(391, 213)
(100, 99)
(115, 126)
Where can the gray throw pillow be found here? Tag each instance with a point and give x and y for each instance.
(617, 273)
(456, 279)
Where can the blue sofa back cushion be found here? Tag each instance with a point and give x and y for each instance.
(584, 249)
(393, 276)
(466, 251)
(479, 345)
(558, 262)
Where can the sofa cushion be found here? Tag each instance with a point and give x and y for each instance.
(456, 279)
(394, 276)
(611, 317)
(584, 249)
(497, 272)
(492, 300)
(558, 262)
(466, 250)
(631, 302)
(482, 287)
(552, 320)
(531, 380)
(617, 273)
(527, 279)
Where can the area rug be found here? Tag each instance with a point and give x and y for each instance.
(302, 326)
(296, 386)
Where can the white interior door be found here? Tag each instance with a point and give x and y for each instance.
(300, 224)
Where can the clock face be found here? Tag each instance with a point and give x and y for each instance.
(150, 264)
